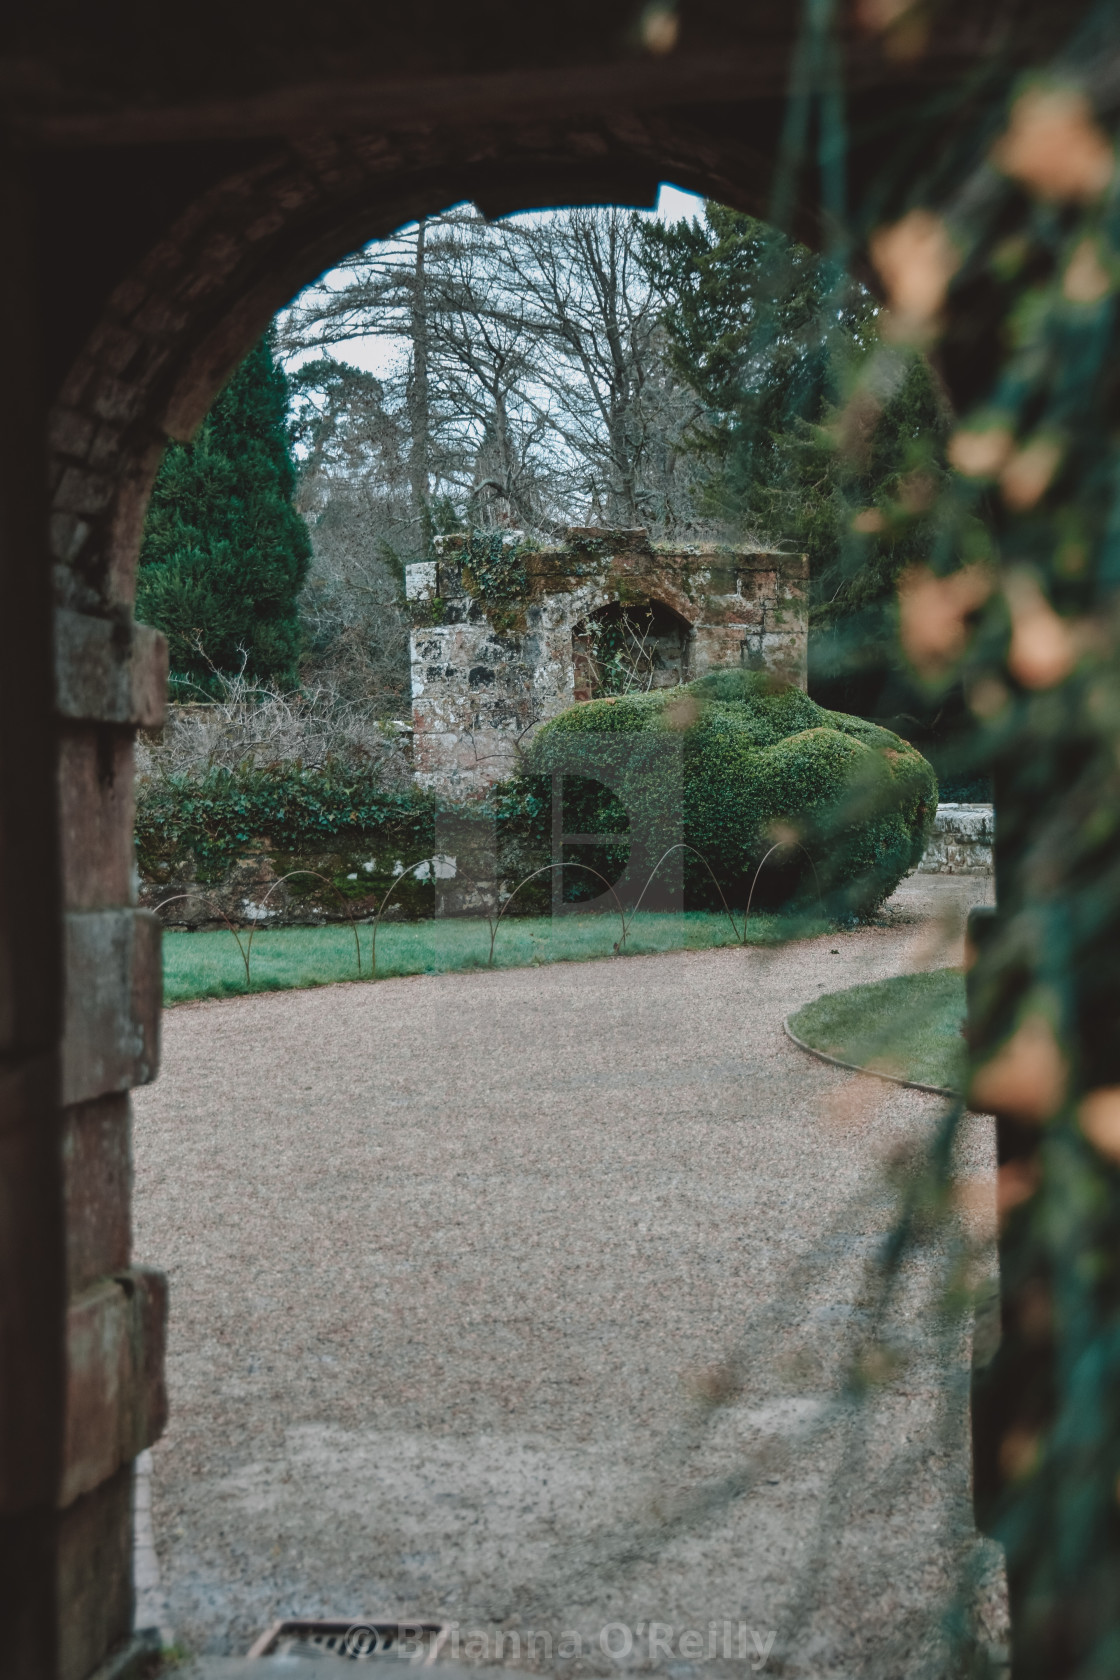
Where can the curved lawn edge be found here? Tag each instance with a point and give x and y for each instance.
(871, 1073)
(906, 1028)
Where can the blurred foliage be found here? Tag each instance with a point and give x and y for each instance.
(774, 338)
(1000, 261)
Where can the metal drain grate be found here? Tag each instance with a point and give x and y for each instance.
(418, 1643)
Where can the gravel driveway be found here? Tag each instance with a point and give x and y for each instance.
(517, 1299)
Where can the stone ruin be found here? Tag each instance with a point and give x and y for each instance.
(605, 612)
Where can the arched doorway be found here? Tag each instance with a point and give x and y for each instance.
(630, 648)
(172, 333)
(169, 335)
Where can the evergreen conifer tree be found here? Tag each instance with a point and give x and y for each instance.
(225, 553)
(774, 340)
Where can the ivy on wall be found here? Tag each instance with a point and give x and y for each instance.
(494, 572)
(199, 826)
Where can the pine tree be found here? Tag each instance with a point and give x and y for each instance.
(225, 553)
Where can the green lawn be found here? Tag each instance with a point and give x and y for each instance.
(909, 1027)
(197, 965)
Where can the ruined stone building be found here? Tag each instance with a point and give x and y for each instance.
(605, 612)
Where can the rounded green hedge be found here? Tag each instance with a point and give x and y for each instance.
(733, 763)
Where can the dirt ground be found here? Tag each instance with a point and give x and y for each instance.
(521, 1299)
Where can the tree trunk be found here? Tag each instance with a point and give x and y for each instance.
(418, 405)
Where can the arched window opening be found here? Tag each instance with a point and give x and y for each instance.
(629, 648)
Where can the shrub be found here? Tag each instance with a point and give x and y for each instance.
(757, 764)
(331, 819)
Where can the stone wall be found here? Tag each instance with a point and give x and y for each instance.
(483, 679)
(260, 889)
(962, 841)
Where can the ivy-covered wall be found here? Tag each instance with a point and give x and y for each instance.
(218, 845)
(496, 626)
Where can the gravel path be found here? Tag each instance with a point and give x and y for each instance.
(515, 1298)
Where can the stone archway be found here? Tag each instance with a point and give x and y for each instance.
(630, 647)
(170, 333)
(486, 673)
(223, 188)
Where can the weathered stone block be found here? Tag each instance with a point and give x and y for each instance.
(112, 1003)
(67, 537)
(119, 400)
(95, 1576)
(466, 865)
(70, 432)
(421, 581)
(962, 841)
(108, 671)
(759, 585)
(79, 491)
(113, 346)
(115, 1399)
(96, 1184)
(96, 811)
(105, 450)
(720, 647)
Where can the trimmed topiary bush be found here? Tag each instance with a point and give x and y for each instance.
(732, 764)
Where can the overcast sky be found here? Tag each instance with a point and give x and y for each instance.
(378, 355)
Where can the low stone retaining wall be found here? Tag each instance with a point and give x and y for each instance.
(962, 841)
(262, 890)
(336, 888)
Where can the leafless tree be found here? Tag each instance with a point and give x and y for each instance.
(534, 383)
(253, 726)
(434, 290)
(593, 313)
(354, 492)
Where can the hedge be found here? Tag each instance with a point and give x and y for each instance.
(754, 763)
(330, 819)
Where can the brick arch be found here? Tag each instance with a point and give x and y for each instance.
(175, 328)
(264, 215)
(660, 592)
